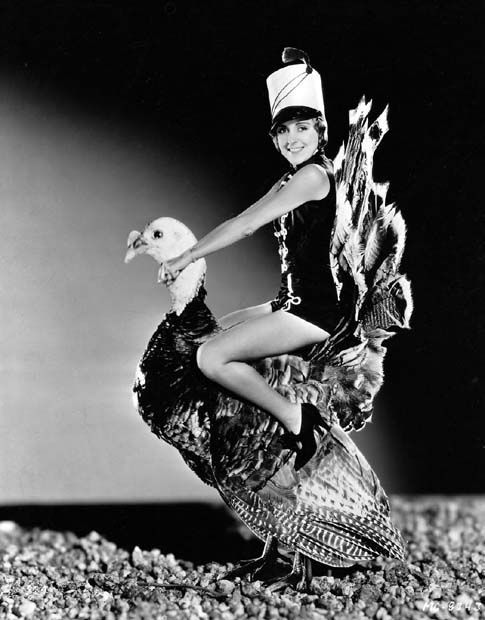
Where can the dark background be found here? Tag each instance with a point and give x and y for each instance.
(194, 72)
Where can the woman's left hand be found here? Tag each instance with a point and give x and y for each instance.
(171, 269)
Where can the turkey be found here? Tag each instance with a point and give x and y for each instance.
(334, 510)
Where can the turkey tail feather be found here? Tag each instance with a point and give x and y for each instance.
(348, 537)
(366, 248)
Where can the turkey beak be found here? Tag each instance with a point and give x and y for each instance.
(136, 245)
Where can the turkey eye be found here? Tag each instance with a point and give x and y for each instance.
(157, 234)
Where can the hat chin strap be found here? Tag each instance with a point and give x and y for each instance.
(293, 113)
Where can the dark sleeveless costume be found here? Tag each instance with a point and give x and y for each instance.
(307, 288)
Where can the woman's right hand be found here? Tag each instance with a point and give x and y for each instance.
(171, 269)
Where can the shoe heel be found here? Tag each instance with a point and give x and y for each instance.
(310, 419)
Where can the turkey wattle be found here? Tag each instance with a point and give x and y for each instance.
(334, 509)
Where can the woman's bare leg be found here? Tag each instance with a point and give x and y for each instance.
(239, 316)
(222, 359)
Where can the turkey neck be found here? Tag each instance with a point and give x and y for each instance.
(186, 286)
(195, 318)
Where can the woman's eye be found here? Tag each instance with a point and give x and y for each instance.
(157, 234)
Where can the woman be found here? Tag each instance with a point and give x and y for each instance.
(302, 205)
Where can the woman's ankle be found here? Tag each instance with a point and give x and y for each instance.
(292, 422)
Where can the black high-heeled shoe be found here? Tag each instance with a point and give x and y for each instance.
(304, 442)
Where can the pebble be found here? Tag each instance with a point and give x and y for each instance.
(7, 527)
(49, 575)
(137, 557)
(225, 586)
(27, 608)
(382, 614)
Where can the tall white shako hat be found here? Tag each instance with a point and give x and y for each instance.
(295, 91)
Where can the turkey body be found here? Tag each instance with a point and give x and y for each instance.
(334, 510)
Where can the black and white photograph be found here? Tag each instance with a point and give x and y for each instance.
(243, 286)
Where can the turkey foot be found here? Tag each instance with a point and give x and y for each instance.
(300, 577)
(254, 566)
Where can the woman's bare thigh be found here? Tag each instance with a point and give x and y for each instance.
(272, 334)
(245, 314)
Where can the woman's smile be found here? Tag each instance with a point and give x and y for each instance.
(297, 140)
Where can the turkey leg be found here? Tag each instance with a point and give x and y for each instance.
(300, 577)
(254, 566)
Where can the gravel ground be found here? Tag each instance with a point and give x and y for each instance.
(57, 575)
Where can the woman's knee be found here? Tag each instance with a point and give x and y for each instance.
(209, 360)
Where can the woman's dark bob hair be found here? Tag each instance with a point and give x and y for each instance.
(301, 114)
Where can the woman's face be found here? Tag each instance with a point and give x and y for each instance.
(297, 140)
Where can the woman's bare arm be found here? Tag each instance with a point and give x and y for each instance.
(266, 196)
(309, 183)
